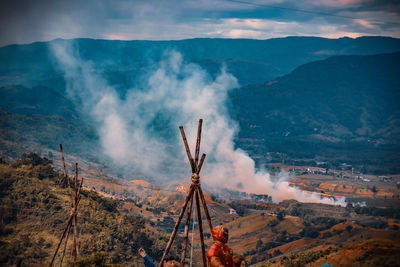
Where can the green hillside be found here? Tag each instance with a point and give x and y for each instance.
(343, 108)
(34, 210)
(33, 132)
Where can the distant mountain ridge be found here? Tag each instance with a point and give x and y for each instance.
(251, 61)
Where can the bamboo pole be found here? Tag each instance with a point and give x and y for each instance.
(74, 221)
(76, 182)
(171, 239)
(65, 245)
(203, 201)
(197, 151)
(75, 253)
(61, 239)
(194, 192)
(63, 160)
(73, 216)
(189, 155)
(66, 174)
(185, 239)
(200, 164)
(80, 186)
(192, 243)
(203, 250)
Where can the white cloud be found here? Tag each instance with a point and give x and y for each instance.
(254, 28)
(365, 23)
(264, 28)
(238, 33)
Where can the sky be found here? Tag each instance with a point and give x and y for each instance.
(27, 21)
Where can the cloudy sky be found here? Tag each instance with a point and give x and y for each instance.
(26, 21)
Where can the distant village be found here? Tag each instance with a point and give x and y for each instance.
(346, 171)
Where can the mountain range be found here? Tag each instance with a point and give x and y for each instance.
(251, 61)
(333, 100)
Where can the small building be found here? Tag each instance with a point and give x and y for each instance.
(232, 211)
(385, 178)
(316, 170)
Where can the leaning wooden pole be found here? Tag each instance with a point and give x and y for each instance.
(63, 161)
(192, 242)
(189, 155)
(197, 151)
(186, 234)
(203, 201)
(203, 250)
(65, 230)
(171, 239)
(65, 246)
(61, 239)
(196, 196)
(66, 175)
(200, 164)
(72, 221)
(75, 220)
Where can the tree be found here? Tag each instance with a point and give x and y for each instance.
(277, 252)
(349, 207)
(310, 232)
(259, 243)
(280, 216)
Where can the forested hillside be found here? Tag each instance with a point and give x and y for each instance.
(344, 108)
(34, 210)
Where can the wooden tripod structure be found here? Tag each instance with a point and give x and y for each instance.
(194, 192)
(72, 221)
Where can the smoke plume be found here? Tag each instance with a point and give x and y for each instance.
(139, 131)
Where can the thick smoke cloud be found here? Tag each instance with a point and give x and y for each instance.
(139, 132)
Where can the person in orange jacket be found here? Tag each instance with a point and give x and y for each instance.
(220, 254)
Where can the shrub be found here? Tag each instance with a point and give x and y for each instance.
(277, 252)
(280, 216)
(96, 259)
(310, 232)
(259, 243)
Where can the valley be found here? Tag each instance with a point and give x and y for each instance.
(301, 122)
(276, 232)
(271, 231)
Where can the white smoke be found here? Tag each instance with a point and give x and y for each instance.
(177, 93)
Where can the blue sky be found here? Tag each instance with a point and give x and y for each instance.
(26, 21)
